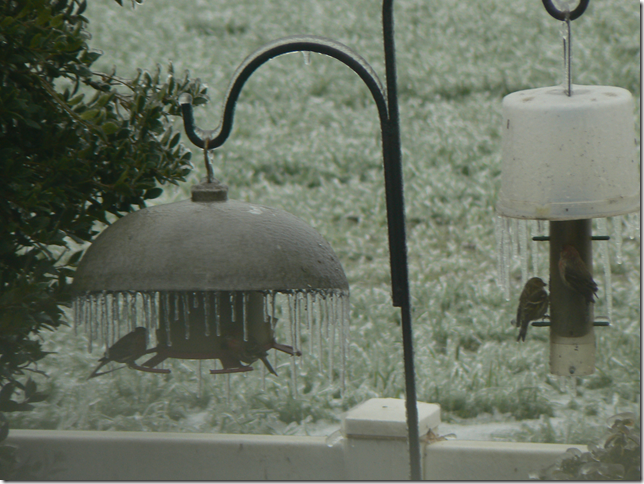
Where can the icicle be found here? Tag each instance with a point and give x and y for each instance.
(90, 314)
(116, 313)
(507, 257)
(297, 306)
(176, 306)
(617, 235)
(124, 310)
(291, 317)
(185, 301)
(143, 310)
(133, 316)
(112, 328)
(96, 303)
(206, 312)
(273, 322)
(308, 308)
(514, 238)
(602, 229)
(346, 336)
(632, 221)
(154, 312)
(314, 331)
(319, 319)
(628, 227)
(166, 303)
(523, 250)
(273, 319)
(114, 318)
(146, 310)
(195, 301)
(332, 323)
(502, 255)
(104, 327)
(244, 317)
(265, 313)
(498, 237)
(534, 247)
(216, 310)
(326, 316)
(80, 303)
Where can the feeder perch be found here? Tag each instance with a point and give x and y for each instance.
(568, 157)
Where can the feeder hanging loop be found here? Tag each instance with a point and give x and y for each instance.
(561, 15)
(206, 160)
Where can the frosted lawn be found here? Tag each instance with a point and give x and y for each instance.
(306, 140)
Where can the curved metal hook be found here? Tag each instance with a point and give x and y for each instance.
(387, 105)
(306, 43)
(559, 15)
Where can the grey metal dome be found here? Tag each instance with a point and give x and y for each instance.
(209, 243)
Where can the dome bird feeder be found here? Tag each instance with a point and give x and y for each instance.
(203, 274)
(569, 157)
(206, 271)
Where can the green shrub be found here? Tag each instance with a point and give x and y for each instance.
(77, 148)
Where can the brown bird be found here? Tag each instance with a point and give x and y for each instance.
(533, 304)
(575, 274)
(126, 350)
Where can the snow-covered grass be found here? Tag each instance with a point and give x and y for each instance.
(306, 139)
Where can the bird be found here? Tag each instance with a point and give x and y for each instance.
(250, 351)
(533, 304)
(575, 274)
(126, 350)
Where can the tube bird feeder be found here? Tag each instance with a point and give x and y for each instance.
(568, 157)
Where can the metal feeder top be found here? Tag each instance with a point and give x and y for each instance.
(209, 243)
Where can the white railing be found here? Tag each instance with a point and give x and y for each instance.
(371, 445)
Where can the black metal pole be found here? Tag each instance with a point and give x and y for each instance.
(397, 237)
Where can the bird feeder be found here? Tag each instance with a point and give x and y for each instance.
(207, 271)
(568, 157)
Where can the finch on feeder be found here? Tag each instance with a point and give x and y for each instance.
(126, 350)
(575, 274)
(533, 304)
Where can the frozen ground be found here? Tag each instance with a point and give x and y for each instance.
(306, 140)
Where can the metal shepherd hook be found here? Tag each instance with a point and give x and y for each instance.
(387, 105)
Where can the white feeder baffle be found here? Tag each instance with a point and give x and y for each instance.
(569, 157)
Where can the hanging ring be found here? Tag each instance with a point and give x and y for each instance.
(559, 15)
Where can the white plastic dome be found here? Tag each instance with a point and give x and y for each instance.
(569, 157)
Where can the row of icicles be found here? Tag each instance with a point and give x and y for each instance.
(514, 246)
(314, 322)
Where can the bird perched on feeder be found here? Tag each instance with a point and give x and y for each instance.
(575, 274)
(126, 350)
(533, 304)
